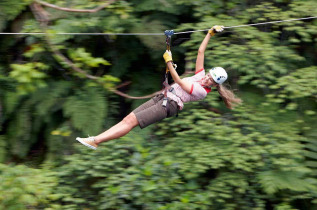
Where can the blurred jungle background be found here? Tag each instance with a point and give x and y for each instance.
(53, 88)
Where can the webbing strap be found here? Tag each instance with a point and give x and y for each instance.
(168, 34)
(167, 87)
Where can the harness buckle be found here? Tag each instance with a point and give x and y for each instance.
(165, 100)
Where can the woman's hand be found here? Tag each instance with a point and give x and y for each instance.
(203, 45)
(167, 56)
(215, 29)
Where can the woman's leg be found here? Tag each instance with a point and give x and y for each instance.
(123, 127)
(148, 113)
(118, 130)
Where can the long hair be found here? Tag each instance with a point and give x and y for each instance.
(228, 97)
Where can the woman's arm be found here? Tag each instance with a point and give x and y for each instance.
(201, 53)
(203, 46)
(187, 86)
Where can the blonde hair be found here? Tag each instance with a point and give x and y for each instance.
(228, 97)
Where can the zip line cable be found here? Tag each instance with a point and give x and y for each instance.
(253, 24)
(62, 33)
(157, 34)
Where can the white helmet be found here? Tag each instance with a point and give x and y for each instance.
(218, 74)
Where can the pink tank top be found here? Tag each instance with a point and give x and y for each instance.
(197, 92)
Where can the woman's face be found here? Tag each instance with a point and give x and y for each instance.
(207, 81)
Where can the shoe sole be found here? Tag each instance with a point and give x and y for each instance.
(87, 145)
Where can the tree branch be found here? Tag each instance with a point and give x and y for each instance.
(135, 97)
(39, 15)
(37, 12)
(97, 9)
(75, 68)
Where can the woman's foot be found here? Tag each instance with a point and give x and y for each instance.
(88, 142)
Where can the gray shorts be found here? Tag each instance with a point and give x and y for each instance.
(152, 111)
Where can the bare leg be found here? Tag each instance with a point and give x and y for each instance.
(118, 130)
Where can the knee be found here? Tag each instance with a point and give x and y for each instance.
(131, 120)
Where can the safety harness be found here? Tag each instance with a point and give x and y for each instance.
(167, 87)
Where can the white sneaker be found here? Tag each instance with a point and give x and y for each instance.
(88, 142)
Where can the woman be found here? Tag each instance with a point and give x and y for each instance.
(188, 89)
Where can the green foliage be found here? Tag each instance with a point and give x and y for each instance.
(26, 188)
(96, 180)
(9, 9)
(85, 59)
(28, 76)
(108, 81)
(34, 50)
(43, 111)
(298, 84)
(248, 148)
(3, 152)
(266, 50)
(262, 155)
(86, 110)
(274, 181)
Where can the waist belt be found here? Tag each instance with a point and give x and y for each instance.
(165, 100)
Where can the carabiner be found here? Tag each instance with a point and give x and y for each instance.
(168, 34)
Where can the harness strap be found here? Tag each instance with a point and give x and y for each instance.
(166, 99)
(167, 87)
(168, 34)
